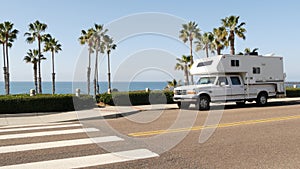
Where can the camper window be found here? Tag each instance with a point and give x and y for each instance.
(200, 64)
(256, 70)
(235, 80)
(235, 63)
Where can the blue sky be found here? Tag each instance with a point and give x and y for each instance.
(272, 26)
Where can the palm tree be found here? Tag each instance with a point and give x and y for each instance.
(234, 28)
(183, 64)
(220, 40)
(99, 47)
(33, 57)
(109, 45)
(205, 42)
(36, 31)
(86, 38)
(248, 51)
(189, 32)
(8, 34)
(52, 45)
(172, 84)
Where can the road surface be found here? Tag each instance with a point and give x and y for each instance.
(245, 137)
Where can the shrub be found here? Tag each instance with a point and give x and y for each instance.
(136, 98)
(43, 103)
(293, 92)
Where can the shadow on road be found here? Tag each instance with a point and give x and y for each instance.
(251, 105)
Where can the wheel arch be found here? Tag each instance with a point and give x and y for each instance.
(205, 94)
(263, 92)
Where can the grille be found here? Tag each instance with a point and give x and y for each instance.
(180, 92)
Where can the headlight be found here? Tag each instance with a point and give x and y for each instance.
(191, 92)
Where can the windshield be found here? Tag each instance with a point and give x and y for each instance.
(206, 80)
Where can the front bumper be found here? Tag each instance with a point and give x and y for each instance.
(185, 98)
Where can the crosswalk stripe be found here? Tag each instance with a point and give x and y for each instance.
(32, 125)
(39, 127)
(47, 133)
(87, 161)
(56, 144)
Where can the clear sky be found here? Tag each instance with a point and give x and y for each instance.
(272, 26)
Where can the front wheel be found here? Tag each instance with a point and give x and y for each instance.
(183, 105)
(204, 103)
(262, 99)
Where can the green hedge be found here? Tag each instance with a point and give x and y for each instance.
(136, 98)
(44, 103)
(292, 92)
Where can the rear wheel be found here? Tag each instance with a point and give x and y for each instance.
(262, 99)
(204, 103)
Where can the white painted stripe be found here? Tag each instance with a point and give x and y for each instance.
(47, 133)
(39, 127)
(56, 144)
(32, 125)
(87, 161)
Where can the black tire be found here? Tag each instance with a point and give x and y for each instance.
(179, 105)
(262, 99)
(183, 105)
(203, 103)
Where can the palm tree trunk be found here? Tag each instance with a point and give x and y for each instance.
(186, 74)
(39, 67)
(4, 67)
(206, 49)
(53, 74)
(232, 50)
(218, 50)
(7, 68)
(192, 59)
(108, 73)
(89, 73)
(35, 76)
(96, 74)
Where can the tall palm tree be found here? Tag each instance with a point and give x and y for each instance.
(52, 45)
(205, 42)
(220, 39)
(189, 32)
(99, 48)
(234, 28)
(86, 38)
(109, 45)
(183, 64)
(36, 33)
(2, 41)
(33, 57)
(8, 35)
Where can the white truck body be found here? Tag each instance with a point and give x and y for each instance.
(238, 78)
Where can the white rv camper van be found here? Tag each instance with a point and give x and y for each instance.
(237, 78)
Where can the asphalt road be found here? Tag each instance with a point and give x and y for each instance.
(245, 137)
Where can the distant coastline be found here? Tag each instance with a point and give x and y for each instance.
(19, 87)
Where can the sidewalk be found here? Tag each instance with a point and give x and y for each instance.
(99, 113)
(56, 117)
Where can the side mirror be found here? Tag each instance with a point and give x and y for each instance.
(223, 84)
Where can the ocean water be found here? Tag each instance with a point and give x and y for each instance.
(70, 87)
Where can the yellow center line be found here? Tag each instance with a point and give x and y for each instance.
(156, 132)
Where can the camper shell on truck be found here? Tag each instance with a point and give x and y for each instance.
(237, 78)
